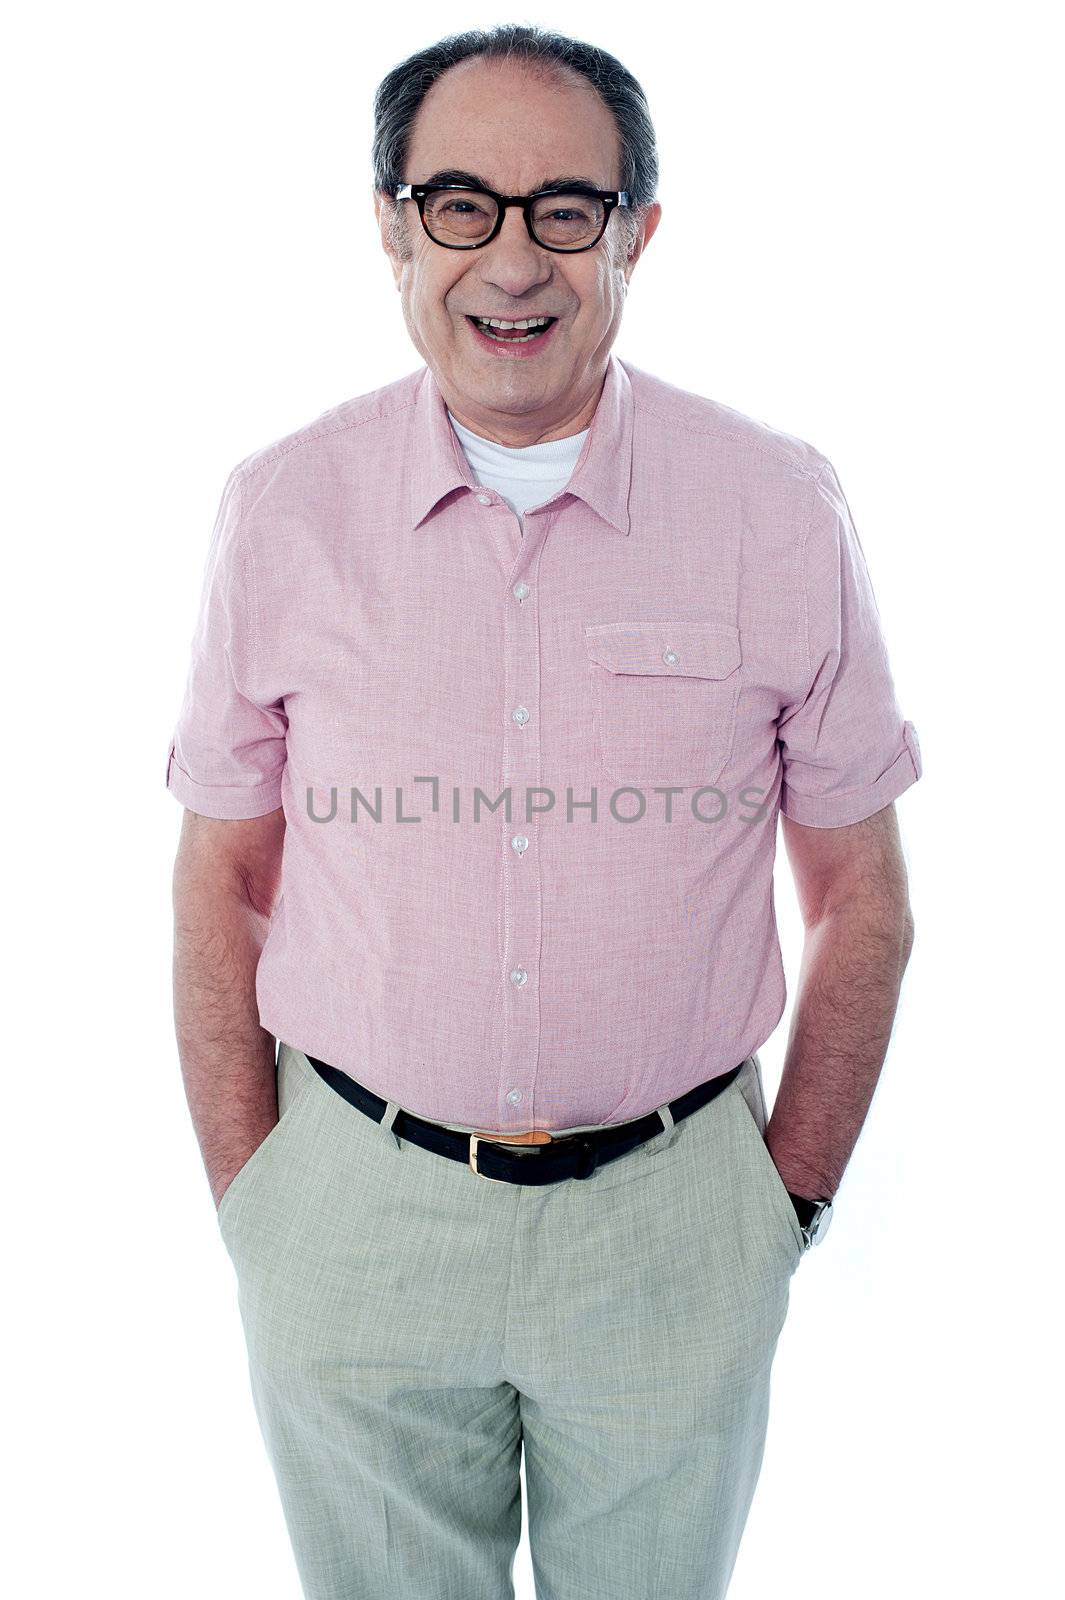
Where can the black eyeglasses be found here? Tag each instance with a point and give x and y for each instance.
(463, 218)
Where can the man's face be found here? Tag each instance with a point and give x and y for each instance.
(515, 130)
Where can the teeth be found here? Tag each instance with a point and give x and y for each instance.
(496, 322)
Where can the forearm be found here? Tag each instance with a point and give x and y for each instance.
(227, 1057)
(851, 972)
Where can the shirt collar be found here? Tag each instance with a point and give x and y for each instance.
(601, 477)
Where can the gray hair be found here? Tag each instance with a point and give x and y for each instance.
(399, 96)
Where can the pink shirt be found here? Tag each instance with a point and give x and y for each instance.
(686, 635)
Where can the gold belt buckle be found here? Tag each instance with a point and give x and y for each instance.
(532, 1136)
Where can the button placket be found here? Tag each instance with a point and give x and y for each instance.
(519, 857)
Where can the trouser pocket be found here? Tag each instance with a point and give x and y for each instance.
(293, 1084)
(747, 1094)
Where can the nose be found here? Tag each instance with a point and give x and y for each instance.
(514, 262)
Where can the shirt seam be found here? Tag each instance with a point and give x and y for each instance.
(815, 482)
(275, 453)
(860, 788)
(249, 584)
(716, 431)
(254, 790)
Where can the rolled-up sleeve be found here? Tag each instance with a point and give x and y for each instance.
(227, 752)
(846, 749)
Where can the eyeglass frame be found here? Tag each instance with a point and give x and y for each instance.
(419, 193)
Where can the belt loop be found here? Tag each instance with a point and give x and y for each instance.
(660, 1141)
(385, 1125)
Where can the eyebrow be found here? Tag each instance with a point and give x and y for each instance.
(471, 180)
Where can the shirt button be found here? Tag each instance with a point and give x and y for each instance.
(518, 977)
(520, 715)
(520, 843)
(521, 590)
(670, 657)
(515, 1096)
(485, 499)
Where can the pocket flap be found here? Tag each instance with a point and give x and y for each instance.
(678, 650)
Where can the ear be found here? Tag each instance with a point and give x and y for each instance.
(384, 211)
(651, 219)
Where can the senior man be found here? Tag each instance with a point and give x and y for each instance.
(502, 676)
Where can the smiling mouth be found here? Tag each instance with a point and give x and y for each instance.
(526, 331)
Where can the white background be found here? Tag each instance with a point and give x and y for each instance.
(857, 248)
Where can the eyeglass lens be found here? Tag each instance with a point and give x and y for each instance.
(465, 216)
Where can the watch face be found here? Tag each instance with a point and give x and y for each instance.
(819, 1226)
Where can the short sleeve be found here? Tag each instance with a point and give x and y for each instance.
(846, 750)
(227, 752)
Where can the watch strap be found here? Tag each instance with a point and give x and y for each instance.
(805, 1210)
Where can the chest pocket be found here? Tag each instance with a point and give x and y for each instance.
(664, 699)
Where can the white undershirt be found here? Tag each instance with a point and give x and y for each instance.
(526, 476)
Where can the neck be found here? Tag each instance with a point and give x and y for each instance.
(516, 433)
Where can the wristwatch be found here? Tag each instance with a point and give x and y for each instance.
(814, 1217)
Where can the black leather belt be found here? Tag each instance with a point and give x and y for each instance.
(548, 1159)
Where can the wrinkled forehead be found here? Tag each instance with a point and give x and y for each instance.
(513, 129)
